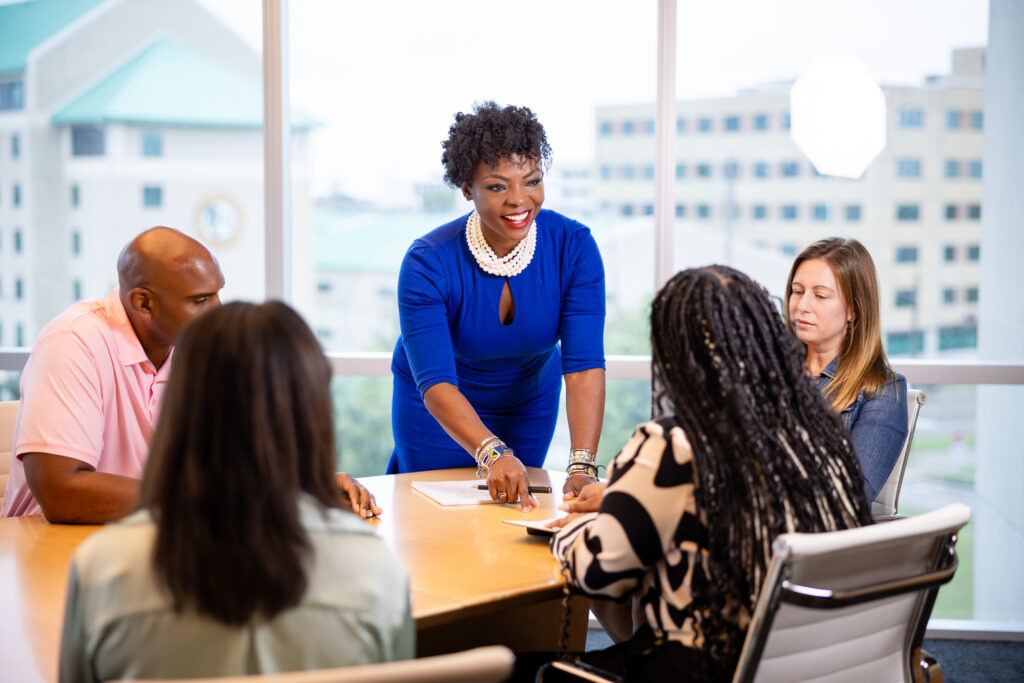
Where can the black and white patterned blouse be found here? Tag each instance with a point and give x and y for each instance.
(648, 540)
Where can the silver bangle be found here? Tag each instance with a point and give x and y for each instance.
(486, 445)
(492, 455)
(582, 468)
(582, 455)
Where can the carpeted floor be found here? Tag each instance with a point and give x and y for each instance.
(963, 661)
(969, 661)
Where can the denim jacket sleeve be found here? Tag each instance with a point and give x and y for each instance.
(878, 426)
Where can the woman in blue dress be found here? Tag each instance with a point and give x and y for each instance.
(496, 308)
(833, 309)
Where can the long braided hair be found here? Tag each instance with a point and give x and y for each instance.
(770, 454)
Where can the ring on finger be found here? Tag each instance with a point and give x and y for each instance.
(502, 496)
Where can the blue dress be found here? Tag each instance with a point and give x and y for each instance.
(877, 425)
(510, 374)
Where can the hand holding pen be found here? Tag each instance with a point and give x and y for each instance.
(508, 482)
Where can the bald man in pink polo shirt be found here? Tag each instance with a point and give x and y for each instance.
(91, 389)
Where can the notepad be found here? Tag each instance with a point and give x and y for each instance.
(446, 493)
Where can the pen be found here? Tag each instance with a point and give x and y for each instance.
(533, 489)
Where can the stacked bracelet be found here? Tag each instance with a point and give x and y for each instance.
(485, 446)
(582, 461)
(489, 452)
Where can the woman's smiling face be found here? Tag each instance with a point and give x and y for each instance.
(507, 198)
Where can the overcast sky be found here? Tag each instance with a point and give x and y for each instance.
(386, 77)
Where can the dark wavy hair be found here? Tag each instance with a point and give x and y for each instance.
(770, 454)
(246, 426)
(490, 134)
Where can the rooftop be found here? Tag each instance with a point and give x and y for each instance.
(170, 83)
(24, 25)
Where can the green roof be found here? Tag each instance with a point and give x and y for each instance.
(24, 25)
(169, 83)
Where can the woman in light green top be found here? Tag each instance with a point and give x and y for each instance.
(247, 557)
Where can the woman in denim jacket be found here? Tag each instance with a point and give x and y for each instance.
(832, 308)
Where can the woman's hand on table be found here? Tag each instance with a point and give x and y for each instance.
(589, 499)
(363, 502)
(508, 482)
(574, 485)
(562, 521)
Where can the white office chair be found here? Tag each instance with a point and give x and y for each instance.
(847, 605)
(490, 664)
(884, 506)
(8, 415)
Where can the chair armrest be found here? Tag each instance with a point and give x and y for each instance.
(887, 518)
(568, 672)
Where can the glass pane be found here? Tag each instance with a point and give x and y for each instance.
(116, 124)
(384, 102)
(733, 86)
(362, 409)
(81, 178)
(362, 424)
(9, 388)
(627, 404)
(941, 470)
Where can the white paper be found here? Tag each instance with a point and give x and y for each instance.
(540, 525)
(464, 492)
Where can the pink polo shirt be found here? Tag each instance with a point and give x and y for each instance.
(88, 392)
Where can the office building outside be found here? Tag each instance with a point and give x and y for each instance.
(117, 115)
(917, 208)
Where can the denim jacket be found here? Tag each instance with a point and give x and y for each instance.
(878, 426)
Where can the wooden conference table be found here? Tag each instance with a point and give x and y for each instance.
(474, 580)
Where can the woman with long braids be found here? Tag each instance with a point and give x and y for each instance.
(832, 296)
(748, 449)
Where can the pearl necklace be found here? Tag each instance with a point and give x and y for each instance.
(509, 265)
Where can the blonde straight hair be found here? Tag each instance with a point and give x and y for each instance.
(862, 362)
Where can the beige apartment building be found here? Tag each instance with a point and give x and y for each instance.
(917, 208)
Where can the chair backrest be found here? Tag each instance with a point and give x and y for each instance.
(8, 415)
(850, 605)
(885, 503)
(490, 664)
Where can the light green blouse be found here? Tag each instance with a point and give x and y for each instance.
(119, 621)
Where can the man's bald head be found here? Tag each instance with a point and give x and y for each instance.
(166, 278)
(157, 254)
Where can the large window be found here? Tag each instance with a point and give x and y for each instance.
(375, 171)
(101, 94)
(366, 180)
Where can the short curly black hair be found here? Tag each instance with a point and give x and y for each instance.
(490, 134)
